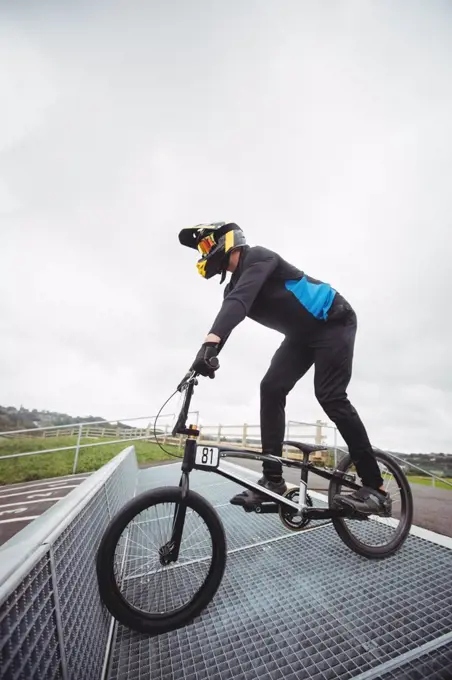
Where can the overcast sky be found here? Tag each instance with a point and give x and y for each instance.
(322, 128)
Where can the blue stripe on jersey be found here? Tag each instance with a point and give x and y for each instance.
(317, 298)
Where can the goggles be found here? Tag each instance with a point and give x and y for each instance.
(205, 245)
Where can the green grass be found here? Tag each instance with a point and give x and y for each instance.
(59, 463)
(427, 481)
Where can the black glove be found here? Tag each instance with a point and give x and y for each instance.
(206, 362)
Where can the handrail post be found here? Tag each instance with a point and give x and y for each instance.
(335, 447)
(318, 432)
(77, 449)
(286, 450)
(244, 434)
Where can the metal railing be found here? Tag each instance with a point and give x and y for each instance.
(407, 463)
(62, 430)
(85, 431)
(248, 435)
(241, 435)
(51, 614)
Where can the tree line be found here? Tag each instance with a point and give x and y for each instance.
(22, 418)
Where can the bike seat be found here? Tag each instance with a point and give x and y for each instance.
(306, 448)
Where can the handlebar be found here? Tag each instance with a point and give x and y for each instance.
(213, 361)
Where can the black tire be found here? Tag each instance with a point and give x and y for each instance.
(118, 605)
(344, 526)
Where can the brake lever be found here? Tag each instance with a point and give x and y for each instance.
(214, 363)
(186, 379)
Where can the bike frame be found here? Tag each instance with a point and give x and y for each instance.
(305, 466)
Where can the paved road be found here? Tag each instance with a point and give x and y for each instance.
(432, 506)
(20, 504)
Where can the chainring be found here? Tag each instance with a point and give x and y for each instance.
(289, 517)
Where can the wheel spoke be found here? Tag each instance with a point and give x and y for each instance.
(153, 587)
(378, 533)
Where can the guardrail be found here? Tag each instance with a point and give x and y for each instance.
(52, 622)
(241, 435)
(51, 430)
(246, 434)
(122, 435)
(406, 463)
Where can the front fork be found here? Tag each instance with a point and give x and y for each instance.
(170, 551)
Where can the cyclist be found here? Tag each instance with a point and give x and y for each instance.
(319, 326)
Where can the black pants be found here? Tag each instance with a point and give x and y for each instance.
(331, 351)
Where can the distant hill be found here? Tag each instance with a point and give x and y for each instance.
(436, 463)
(20, 419)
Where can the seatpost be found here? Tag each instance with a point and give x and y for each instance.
(304, 469)
(304, 481)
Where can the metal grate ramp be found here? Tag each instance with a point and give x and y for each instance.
(301, 606)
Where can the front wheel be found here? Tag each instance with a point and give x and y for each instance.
(375, 536)
(140, 586)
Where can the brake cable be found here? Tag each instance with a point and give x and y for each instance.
(191, 375)
(155, 427)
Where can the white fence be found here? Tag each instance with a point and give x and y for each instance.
(249, 436)
(238, 436)
(119, 427)
(243, 435)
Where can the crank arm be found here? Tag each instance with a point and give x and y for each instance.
(261, 509)
(332, 513)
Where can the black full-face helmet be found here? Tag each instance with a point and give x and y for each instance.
(215, 242)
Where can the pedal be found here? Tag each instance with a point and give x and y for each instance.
(260, 508)
(358, 516)
(344, 475)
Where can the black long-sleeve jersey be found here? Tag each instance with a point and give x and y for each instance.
(269, 290)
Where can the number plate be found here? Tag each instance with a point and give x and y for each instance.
(207, 457)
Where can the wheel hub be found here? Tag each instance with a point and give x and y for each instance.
(166, 554)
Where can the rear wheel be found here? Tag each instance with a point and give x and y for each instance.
(374, 536)
(141, 588)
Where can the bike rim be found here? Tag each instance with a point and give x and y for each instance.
(376, 531)
(153, 588)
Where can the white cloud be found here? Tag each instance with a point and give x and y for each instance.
(324, 133)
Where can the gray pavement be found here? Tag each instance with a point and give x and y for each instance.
(21, 503)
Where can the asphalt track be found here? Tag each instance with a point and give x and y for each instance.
(21, 503)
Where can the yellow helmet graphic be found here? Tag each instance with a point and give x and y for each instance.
(214, 242)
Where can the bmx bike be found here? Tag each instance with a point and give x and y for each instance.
(162, 557)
